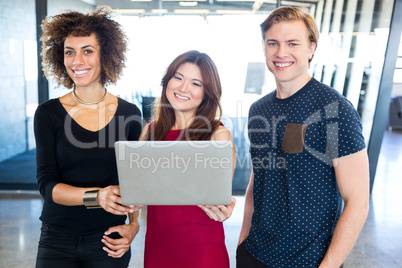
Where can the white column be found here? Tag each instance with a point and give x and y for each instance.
(335, 42)
(342, 63)
(380, 38)
(362, 52)
(324, 39)
(318, 18)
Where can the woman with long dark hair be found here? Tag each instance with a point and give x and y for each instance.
(189, 109)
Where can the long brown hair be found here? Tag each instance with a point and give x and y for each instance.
(208, 114)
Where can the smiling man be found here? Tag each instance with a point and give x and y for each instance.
(309, 211)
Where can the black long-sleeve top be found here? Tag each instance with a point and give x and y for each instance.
(68, 153)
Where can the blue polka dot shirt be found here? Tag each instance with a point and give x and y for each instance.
(296, 200)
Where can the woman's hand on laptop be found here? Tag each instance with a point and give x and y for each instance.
(219, 212)
(109, 199)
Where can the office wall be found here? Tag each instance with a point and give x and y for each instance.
(19, 72)
(58, 6)
(17, 35)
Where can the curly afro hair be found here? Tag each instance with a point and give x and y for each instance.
(109, 34)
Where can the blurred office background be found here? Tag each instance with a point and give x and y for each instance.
(359, 54)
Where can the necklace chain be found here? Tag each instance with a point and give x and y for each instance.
(89, 103)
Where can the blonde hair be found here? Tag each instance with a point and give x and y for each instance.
(282, 14)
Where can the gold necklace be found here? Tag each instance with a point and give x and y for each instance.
(89, 103)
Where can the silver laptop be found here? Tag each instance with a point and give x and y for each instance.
(174, 172)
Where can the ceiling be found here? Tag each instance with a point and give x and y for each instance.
(199, 7)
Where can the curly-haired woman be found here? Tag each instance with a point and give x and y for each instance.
(75, 135)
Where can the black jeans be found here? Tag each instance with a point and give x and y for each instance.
(245, 260)
(61, 250)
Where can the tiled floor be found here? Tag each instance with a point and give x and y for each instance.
(379, 244)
